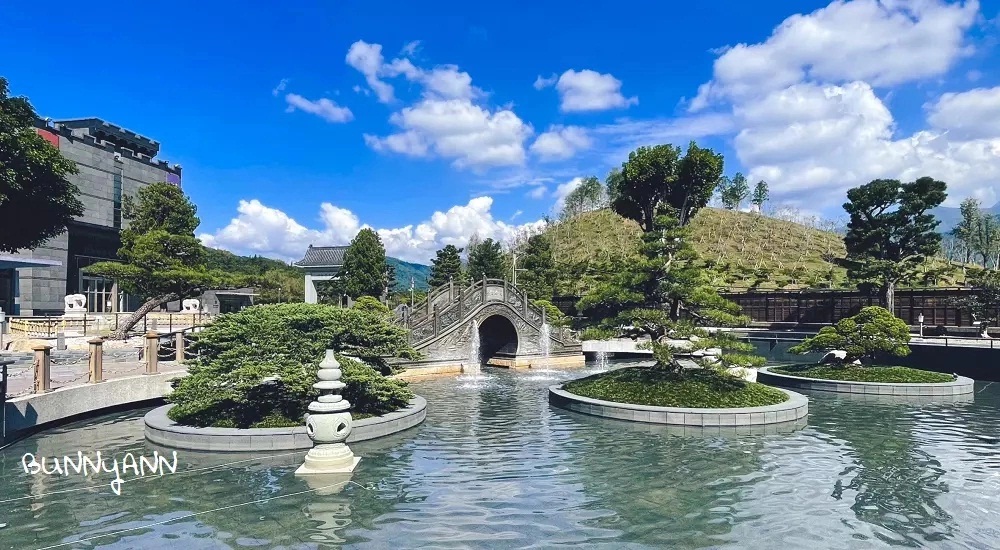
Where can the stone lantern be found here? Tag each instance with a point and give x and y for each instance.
(328, 425)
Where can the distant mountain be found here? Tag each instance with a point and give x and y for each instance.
(404, 270)
(950, 217)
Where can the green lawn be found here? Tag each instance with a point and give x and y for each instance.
(901, 375)
(700, 388)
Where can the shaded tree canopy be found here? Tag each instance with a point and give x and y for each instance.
(447, 266)
(161, 259)
(734, 191)
(365, 270)
(891, 231)
(659, 177)
(486, 257)
(37, 199)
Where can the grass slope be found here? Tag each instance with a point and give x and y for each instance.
(700, 388)
(742, 251)
(899, 375)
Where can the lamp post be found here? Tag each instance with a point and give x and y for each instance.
(920, 319)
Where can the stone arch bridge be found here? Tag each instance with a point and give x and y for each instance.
(510, 331)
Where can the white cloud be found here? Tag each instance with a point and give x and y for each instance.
(267, 231)
(367, 59)
(972, 114)
(442, 82)
(280, 87)
(538, 192)
(808, 120)
(882, 42)
(587, 90)
(323, 108)
(560, 143)
(410, 48)
(470, 135)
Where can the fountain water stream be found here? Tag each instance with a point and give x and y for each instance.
(602, 360)
(474, 367)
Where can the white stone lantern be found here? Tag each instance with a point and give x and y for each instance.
(328, 424)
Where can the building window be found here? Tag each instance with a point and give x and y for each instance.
(99, 293)
(118, 198)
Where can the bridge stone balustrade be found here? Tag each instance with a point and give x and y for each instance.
(509, 328)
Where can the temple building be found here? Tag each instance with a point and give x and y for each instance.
(321, 263)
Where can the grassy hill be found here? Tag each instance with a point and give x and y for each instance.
(741, 250)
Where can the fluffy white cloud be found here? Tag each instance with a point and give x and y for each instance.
(267, 231)
(442, 82)
(882, 42)
(367, 59)
(470, 135)
(587, 90)
(562, 191)
(323, 108)
(970, 115)
(807, 118)
(538, 192)
(560, 143)
(410, 48)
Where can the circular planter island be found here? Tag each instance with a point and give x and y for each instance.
(958, 385)
(163, 431)
(794, 408)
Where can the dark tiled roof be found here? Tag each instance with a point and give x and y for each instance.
(317, 256)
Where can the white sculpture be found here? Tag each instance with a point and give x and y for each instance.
(75, 304)
(328, 425)
(837, 357)
(191, 305)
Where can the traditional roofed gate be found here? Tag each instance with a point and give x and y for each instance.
(443, 327)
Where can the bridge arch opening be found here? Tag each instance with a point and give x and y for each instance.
(497, 339)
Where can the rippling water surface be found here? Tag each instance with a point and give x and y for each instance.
(494, 466)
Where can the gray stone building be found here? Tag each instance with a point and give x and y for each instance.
(113, 163)
(321, 263)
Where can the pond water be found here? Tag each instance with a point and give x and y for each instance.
(494, 466)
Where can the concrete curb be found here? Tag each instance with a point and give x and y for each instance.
(163, 431)
(961, 386)
(797, 407)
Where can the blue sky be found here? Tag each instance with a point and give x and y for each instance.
(431, 124)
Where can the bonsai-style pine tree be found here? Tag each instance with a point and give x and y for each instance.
(446, 266)
(486, 258)
(364, 270)
(36, 198)
(891, 232)
(161, 260)
(872, 331)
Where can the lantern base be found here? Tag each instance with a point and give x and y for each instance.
(332, 458)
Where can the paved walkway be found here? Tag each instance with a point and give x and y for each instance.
(20, 380)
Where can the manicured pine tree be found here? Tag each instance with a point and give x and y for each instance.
(539, 276)
(364, 270)
(447, 266)
(486, 257)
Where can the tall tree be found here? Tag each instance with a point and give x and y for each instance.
(734, 191)
(588, 196)
(986, 240)
(655, 177)
(37, 199)
(539, 274)
(486, 257)
(161, 260)
(364, 270)
(891, 231)
(446, 266)
(965, 231)
(760, 195)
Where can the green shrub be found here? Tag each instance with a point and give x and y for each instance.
(259, 365)
(863, 336)
(595, 333)
(371, 304)
(553, 316)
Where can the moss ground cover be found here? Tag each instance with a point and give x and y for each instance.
(898, 375)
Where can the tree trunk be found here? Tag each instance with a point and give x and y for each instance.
(890, 297)
(121, 333)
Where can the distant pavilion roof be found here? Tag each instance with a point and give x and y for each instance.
(323, 256)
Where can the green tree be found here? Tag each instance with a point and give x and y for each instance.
(734, 191)
(447, 266)
(160, 258)
(664, 294)
(364, 269)
(655, 177)
(872, 331)
(539, 274)
(965, 231)
(891, 232)
(487, 258)
(987, 239)
(37, 199)
(760, 195)
(984, 305)
(588, 196)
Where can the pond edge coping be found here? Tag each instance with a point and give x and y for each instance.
(795, 408)
(160, 429)
(960, 386)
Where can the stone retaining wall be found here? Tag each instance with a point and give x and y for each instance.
(961, 386)
(796, 408)
(163, 431)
